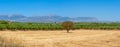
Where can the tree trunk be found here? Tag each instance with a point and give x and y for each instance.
(67, 30)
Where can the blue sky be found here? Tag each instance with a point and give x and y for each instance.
(101, 9)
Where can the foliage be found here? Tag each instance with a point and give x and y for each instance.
(6, 25)
(67, 25)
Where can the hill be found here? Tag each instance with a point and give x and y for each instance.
(49, 18)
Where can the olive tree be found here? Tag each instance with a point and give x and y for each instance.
(67, 25)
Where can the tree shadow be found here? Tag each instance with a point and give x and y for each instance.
(67, 32)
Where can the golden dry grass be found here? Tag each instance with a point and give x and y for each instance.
(77, 38)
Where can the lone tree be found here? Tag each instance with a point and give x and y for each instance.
(67, 25)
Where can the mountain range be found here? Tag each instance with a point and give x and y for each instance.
(48, 18)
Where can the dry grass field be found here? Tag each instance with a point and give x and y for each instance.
(77, 38)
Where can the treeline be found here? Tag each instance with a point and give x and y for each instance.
(101, 26)
(7, 25)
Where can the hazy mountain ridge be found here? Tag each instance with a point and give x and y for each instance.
(11, 17)
(52, 18)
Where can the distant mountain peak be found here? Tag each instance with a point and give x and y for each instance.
(47, 18)
(53, 15)
(11, 17)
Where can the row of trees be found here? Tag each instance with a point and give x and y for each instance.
(6, 25)
(29, 26)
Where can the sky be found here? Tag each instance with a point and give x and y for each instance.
(108, 10)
